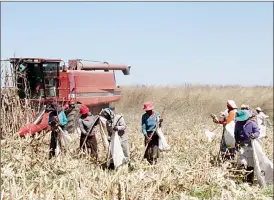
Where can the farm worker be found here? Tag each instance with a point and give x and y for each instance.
(54, 122)
(231, 110)
(116, 122)
(87, 122)
(261, 119)
(245, 130)
(244, 107)
(150, 119)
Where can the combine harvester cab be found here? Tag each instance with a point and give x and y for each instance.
(79, 82)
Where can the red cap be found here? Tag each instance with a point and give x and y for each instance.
(84, 110)
(148, 106)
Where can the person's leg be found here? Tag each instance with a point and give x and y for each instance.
(53, 144)
(148, 151)
(93, 147)
(82, 139)
(155, 148)
(250, 177)
(125, 148)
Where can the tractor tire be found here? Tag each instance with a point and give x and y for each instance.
(95, 110)
(73, 119)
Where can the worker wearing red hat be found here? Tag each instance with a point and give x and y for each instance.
(150, 120)
(87, 122)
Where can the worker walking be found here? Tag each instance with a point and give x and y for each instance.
(55, 122)
(150, 120)
(116, 122)
(245, 130)
(245, 107)
(227, 152)
(88, 141)
(261, 119)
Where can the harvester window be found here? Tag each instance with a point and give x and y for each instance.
(51, 78)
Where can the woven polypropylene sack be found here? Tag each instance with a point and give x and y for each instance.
(263, 166)
(116, 150)
(163, 145)
(229, 135)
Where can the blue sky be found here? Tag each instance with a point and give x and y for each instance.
(165, 42)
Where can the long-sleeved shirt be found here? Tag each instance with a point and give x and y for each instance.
(86, 125)
(120, 125)
(149, 123)
(243, 131)
(229, 118)
(261, 119)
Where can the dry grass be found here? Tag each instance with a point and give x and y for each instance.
(183, 173)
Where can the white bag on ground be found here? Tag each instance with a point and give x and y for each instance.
(210, 135)
(116, 150)
(163, 146)
(229, 135)
(262, 165)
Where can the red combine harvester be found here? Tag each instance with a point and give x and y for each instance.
(79, 82)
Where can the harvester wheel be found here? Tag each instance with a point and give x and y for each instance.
(73, 118)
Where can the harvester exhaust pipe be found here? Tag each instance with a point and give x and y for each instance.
(79, 65)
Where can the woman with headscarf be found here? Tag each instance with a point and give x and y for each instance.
(227, 152)
(116, 122)
(87, 122)
(245, 130)
(150, 122)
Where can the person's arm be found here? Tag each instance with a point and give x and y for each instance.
(144, 128)
(229, 119)
(236, 134)
(255, 131)
(121, 124)
(81, 126)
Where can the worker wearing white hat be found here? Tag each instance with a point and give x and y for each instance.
(261, 121)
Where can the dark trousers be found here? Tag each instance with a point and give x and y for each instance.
(250, 177)
(152, 151)
(53, 143)
(90, 145)
(227, 154)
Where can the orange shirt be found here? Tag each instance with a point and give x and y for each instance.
(231, 116)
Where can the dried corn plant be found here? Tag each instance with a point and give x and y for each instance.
(14, 112)
(184, 173)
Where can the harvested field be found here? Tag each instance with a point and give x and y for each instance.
(184, 172)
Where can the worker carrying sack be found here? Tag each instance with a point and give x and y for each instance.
(262, 165)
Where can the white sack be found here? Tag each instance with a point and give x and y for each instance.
(65, 138)
(103, 131)
(58, 148)
(116, 150)
(229, 135)
(210, 135)
(262, 165)
(262, 131)
(163, 145)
